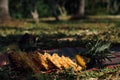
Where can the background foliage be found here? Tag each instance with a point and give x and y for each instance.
(23, 8)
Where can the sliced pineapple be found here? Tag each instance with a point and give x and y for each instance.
(80, 61)
(43, 61)
(39, 62)
(54, 60)
(65, 62)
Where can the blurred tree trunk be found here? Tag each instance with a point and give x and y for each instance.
(4, 10)
(81, 8)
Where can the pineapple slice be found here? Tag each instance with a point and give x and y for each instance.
(73, 64)
(54, 59)
(43, 61)
(80, 61)
(49, 62)
(64, 64)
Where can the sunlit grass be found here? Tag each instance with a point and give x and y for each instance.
(70, 26)
(73, 28)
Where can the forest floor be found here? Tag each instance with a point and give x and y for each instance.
(63, 34)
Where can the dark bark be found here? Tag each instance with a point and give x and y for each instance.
(80, 11)
(4, 10)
